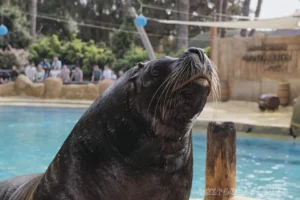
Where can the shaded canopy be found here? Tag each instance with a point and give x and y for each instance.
(290, 22)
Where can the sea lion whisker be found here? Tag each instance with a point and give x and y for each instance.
(158, 101)
(176, 78)
(183, 69)
(163, 92)
(158, 90)
(167, 95)
(167, 89)
(215, 81)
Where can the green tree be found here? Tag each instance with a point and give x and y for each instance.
(56, 17)
(71, 51)
(48, 47)
(93, 55)
(131, 58)
(33, 13)
(121, 40)
(18, 35)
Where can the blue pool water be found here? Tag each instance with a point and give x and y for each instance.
(31, 136)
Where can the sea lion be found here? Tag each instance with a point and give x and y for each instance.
(134, 142)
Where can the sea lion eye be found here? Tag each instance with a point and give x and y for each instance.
(154, 71)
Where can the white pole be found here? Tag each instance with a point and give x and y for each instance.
(142, 33)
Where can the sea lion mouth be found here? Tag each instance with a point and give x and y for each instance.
(196, 79)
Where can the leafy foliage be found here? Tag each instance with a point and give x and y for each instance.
(47, 47)
(122, 40)
(7, 59)
(94, 55)
(131, 58)
(70, 52)
(138, 54)
(18, 35)
(11, 56)
(207, 51)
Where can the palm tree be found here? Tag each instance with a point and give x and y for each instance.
(257, 13)
(245, 12)
(33, 12)
(224, 11)
(183, 6)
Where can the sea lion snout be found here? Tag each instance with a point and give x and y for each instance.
(197, 51)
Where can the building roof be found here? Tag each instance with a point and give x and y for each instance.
(286, 32)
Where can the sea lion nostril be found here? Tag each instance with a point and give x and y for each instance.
(197, 51)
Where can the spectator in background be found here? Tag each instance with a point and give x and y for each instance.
(77, 75)
(46, 66)
(40, 74)
(21, 69)
(14, 73)
(4, 76)
(27, 70)
(55, 72)
(114, 76)
(31, 73)
(97, 74)
(107, 73)
(56, 63)
(65, 74)
(120, 73)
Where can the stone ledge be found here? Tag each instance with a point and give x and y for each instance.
(234, 198)
(245, 127)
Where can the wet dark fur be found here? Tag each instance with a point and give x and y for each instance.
(133, 143)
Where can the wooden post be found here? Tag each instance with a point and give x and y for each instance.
(213, 35)
(220, 173)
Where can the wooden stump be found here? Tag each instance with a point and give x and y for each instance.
(220, 173)
(225, 93)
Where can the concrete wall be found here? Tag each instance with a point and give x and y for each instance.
(272, 59)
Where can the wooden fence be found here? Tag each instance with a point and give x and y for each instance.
(255, 65)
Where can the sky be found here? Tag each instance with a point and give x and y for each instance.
(276, 8)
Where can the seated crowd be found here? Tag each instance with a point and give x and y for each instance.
(57, 70)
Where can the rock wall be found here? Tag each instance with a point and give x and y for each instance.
(25, 87)
(7, 90)
(88, 91)
(53, 88)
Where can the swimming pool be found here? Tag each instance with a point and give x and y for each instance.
(31, 136)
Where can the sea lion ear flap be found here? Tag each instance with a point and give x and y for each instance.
(141, 65)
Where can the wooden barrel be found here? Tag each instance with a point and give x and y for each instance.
(224, 86)
(283, 92)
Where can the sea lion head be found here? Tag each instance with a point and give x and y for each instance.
(167, 94)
